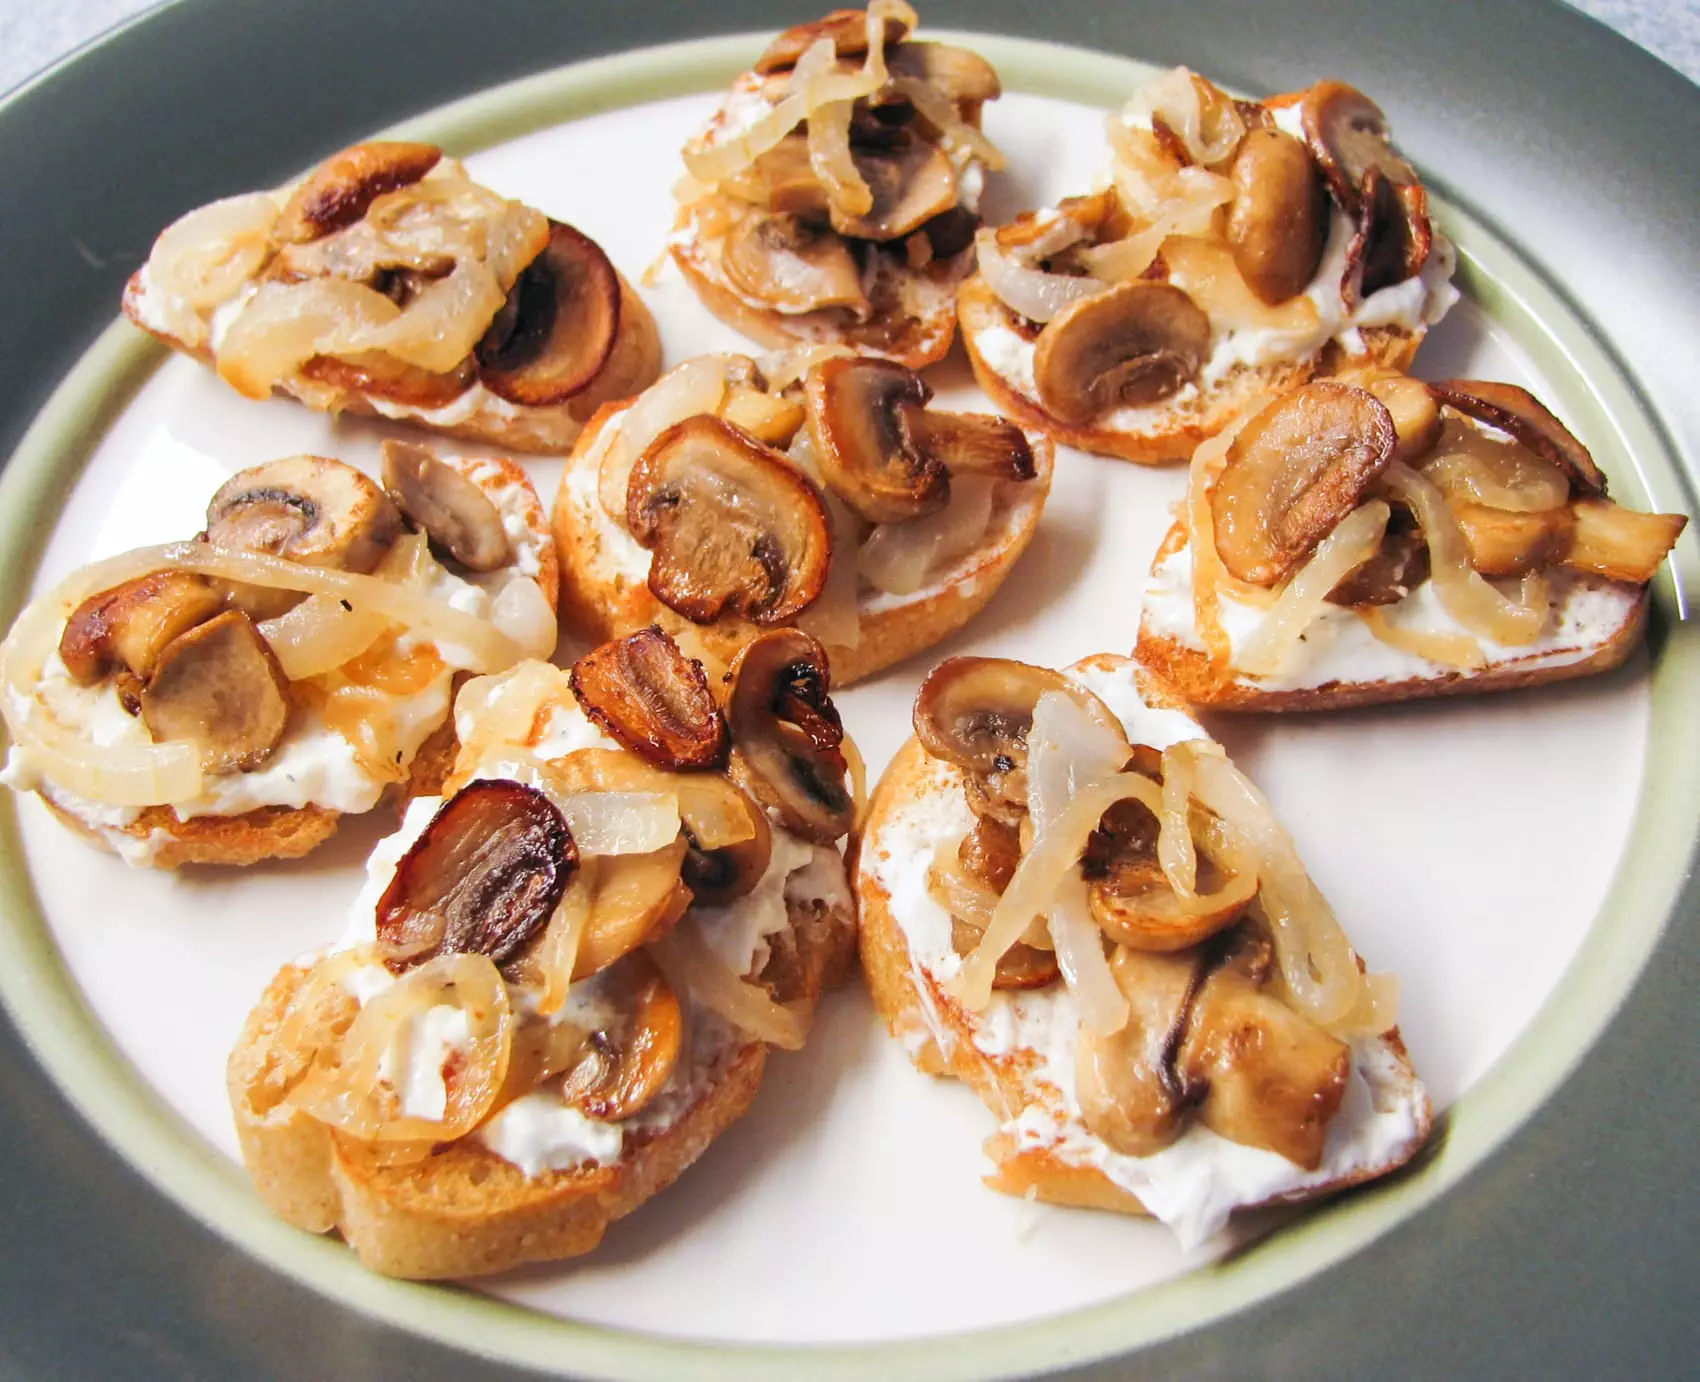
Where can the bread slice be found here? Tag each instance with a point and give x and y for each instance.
(465, 1211)
(1000, 347)
(604, 574)
(157, 838)
(920, 798)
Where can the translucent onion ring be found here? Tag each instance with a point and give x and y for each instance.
(691, 966)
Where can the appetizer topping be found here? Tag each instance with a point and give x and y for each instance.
(1521, 414)
(455, 513)
(653, 699)
(908, 183)
(1505, 543)
(1398, 567)
(1278, 221)
(729, 841)
(338, 192)
(1350, 137)
(130, 625)
(794, 265)
(976, 712)
(1392, 239)
(696, 386)
(482, 879)
(786, 734)
(1293, 473)
(1620, 543)
(373, 373)
(625, 1064)
(1412, 406)
(1133, 343)
(307, 509)
(1131, 1094)
(846, 30)
(638, 897)
(965, 77)
(1021, 966)
(558, 326)
(218, 687)
(733, 526)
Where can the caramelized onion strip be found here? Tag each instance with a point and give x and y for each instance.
(692, 967)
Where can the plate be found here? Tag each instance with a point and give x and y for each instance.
(182, 1161)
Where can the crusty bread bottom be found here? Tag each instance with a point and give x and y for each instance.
(1169, 431)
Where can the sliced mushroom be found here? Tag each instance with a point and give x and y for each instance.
(382, 376)
(1294, 471)
(1278, 222)
(1525, 417)
(786, 734)
(1399, 566)
(1349, 135)
(626, 1063)
(951, 232)
(848, 30)
(771, 419)
(972, 443)
(783, 180)
(309, 509)
(1136, 343)
(1411, 405)
(562, 328)
(1503, 543)
(976, 712)
(1020, 967)
(1616, 542)
(1392, 239)
(734, 528)
(965, 77)
(638, 897)
(338, 192)
(793, 265)
(455, 513)
(912, 181)
(652, 698)
(131, 624)
(991, 852)
(1131, 1094)
(219, 687)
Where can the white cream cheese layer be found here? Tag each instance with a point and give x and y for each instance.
(1338, 647)
(1193, 1185)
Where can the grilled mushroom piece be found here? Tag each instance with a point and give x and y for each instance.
(219, 687)
(338, 192)
(1398, 567)
(1392, 240)
(455, 514)
(786, 734)
(1294, 471)
(627, 1062)
(309, 509)
(1526, 418)
(734, 528)
(1019, 967)
(1278, 222)
(652, 698)
(975, 712)
(848, 30)
(561, 329)
(130, 625)
(911, 182)
(1348, 135)
(1136, 343)
(1503, 543)
(965, 77)
(1412, 406)
(793, 265)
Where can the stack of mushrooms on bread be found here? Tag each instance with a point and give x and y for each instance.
(1071, 900)
(225, 700)
(1232, 250)
(1376, 538)
(835, 195)
(386, 281)
(818, 489)
(563, 975)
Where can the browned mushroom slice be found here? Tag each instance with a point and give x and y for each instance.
(860, 415)
(483, 878)
(219, 687)
(975, 712)
(791, 265)
(455, 513)
(1152, 917)
(1619, 543)
(1411, 405)
(1348, 135)
(309, 509)
(1392, 239)
(848, 30)
(734, 528)
(1130, 1091)
(130, 625)
(1136, 343)
(991, 851)
(965, 77)
(911, 182)
(972, 443)
(1020, 967)
(652, 698)
(1525, 417)
(1399, 566)
(1504, 543)
(638, 897)
(1294, 471)
(786, 734)
(628, 1061)
(783, 180)
(563, 326)
(338, 192)
(380, 376)
(1278, 222)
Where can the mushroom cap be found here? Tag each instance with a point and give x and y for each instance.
(309, 509)
(564, 321)
(131, 624)
(219, 687)
(1525, 417)
(793, 265)
(975, 712)
(1293, 472)
(627, 1062)
(911, 180)
(1349, 135)
(1130, 1093)
(1392, 239)
(1135, 343)
(455, 513)
(733, 527)
(859, 411)
(653, 699)
(338, 192)
(848, 30)
(964, 76)
(1278, 222)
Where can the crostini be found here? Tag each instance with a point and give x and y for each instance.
(1233, 250)
(563, 975)
(1072, 901)
(388, 282)
(824, 493)
(227, 699)
(1375, 538)
(834, 197)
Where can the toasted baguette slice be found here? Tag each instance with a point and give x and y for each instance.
(920, 799)
(465, 1211)
(159, 839)
(605, 592)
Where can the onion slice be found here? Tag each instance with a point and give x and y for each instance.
(1175, 852)
(1449, 649)
(1029, 292)
(319, 635)
(691, 966)
(1080, 956)
(901, 558)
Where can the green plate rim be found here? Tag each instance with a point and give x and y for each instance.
(65, 1036)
